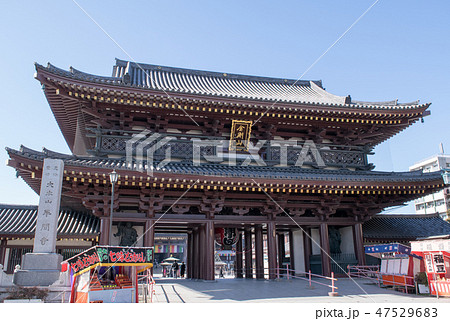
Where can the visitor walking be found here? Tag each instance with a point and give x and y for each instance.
(182, 269)
(175, 268)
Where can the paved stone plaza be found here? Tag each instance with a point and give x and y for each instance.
(170, 290)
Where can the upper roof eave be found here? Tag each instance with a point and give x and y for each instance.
(76, 75)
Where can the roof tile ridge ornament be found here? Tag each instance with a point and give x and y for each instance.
(52, 154)
(76, 74)
(341, 100)
(26, 150)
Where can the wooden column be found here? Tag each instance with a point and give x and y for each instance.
(248, 254)
(149, 236)
(3, 244)
(239, 265)
(196, 254)
(190, 246)
(202, 262)
(281, 252)
(359, 244)
(325, 249)
(272, 250)
(209, 251)
(291, 252)
(307, 248)
(104, 231)
(259, 252)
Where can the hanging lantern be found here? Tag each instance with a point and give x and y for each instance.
(226, 237)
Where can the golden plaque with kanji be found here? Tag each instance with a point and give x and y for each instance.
(240, 135)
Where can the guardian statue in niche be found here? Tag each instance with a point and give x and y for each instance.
(335, 239)
(128, 234)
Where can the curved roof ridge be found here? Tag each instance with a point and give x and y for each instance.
(146, 66)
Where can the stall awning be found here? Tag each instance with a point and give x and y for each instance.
(393, 249)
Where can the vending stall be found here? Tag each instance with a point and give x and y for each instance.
(398, 264)
(436, 254)
(107, 274)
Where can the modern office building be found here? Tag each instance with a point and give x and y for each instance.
(438, 202)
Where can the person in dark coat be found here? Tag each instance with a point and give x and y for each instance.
(182, 269)
(175, 267)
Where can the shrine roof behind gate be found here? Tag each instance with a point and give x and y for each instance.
(221, 170)
(218, 84)
(391, 228)
(20, 221)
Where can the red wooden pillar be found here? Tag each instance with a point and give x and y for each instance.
(325, 249)
(190, 246)
(281, 252)
(209, 251)
(3, 244)
(202, 262)
(307, 247)
(196, 254)
(259, 252)
(359, 244)
(291, 253)
(149, 236)
(272, 250)
(239, 265)
(104, 231)
(248, 254)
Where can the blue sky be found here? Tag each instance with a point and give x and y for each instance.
(398, 50)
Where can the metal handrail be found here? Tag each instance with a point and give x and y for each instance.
(295, 275)
(148, 284)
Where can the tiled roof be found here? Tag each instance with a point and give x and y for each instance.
(217, 84)
(20, 220)
(404, 227)
(222, 170)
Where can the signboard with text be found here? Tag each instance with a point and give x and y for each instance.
(240, 135)
(48, 210)
(109, 255)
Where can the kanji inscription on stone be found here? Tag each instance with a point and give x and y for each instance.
(48, 210)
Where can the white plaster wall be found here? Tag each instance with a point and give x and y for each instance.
(315, 242)
(347, 245)
(299, 251)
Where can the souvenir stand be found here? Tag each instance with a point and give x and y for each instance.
(436, 254)
(104, 274)
(398, 264)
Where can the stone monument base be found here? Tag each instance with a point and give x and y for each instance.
(38, 269)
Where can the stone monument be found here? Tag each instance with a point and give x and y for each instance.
(42, 267)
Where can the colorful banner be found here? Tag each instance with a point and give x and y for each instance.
(169, 248)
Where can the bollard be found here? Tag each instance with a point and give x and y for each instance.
(287, 271)
(309, 278)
